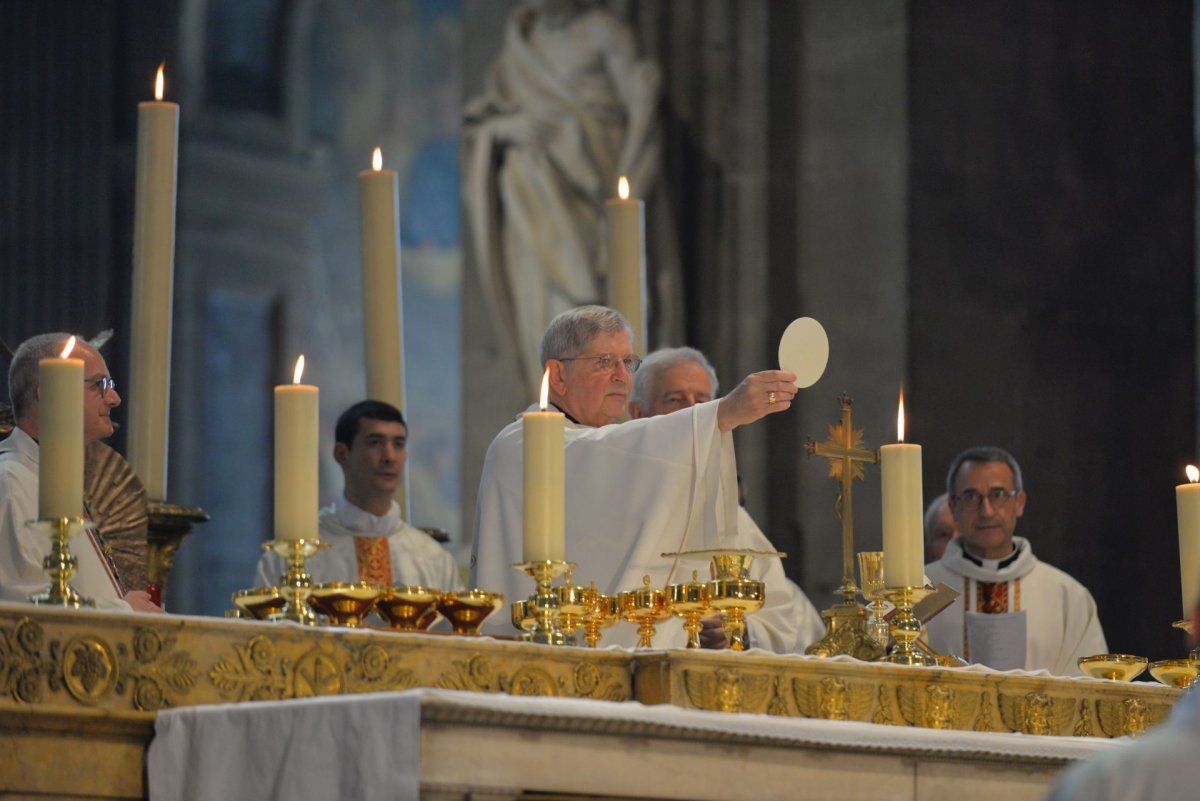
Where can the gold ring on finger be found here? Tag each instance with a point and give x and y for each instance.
(771, 398)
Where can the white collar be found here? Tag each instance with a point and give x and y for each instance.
(362, 522)
(1004, 569)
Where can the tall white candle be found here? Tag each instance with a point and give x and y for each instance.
(153, 274)
(60, 436)
(383, 332)
(544, 488)
(296, 453)
(900, 468)
(1187, 508)
(627, 260)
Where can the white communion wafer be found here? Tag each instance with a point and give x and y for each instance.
(804, 350)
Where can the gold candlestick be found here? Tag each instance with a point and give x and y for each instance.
(906, 627)
(296, 584)
(60, 564)
(691, 602)
(544, 601)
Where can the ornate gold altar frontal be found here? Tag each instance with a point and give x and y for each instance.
(56, 663)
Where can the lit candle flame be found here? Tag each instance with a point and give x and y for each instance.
(545, 402)
(623, 188)
(377, 160)
(71, 346)
(299, 371)
(900, 418)
(158, 82)
(1193, 473)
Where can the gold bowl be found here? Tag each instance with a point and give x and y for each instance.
(408, 608)
(736, 598)
(260, 603)
(345, 603)
(467, 610)
(1118, 667)
(1178, 673)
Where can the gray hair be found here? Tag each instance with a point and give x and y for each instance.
(984, 453)
(570, 332)
(931, 514)
(23, 372)
(645, 380)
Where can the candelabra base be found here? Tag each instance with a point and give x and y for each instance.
(60, 564)
(906, 628)
(543, 605)
(846, 633)
(296, 584)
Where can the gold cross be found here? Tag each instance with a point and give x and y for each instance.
(846, 454)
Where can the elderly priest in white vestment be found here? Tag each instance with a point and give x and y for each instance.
(671, 379)
(1015, 611)
(633, 490)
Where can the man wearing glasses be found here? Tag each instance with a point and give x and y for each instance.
(1015, 611)
(633, 490)
(22, 546)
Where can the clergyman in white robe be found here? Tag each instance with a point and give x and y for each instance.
(634, 491)
(1056, 612)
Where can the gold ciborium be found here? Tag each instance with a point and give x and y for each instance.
(1118, 667)
(603, 613)
(296, 583)
(644, 606)
(1177, 673)
(870, 576)
(690, 601)
(345, 603)
(410, 607)
(574, 601)
(60, 564)
(906, 627)
(467, 610)
(260, 603)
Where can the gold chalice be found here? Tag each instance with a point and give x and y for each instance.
(690, 601)
(1177, 673)
(345, 603)
(524, 615)
(467, 610)
(645, 607)
(870, 575)
(1118, 667)
(574, 600)
(602, 614)
(736, 598)
(408, 608)
(260, 603)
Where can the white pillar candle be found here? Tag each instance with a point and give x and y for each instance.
(1187, 508)
(383, 338)
(296, 453)
(544, 489)
(627, 261)
(903, 542)
(60, 436)
(153, 274)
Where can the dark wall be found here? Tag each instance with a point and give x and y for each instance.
(1052, 277)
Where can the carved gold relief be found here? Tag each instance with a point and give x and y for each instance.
(88, 668)
(477, 674)
(1037, 713)
(1128, 716)
(157, 675)
(1083, 726)
(986, 719)
(936, 706)
(726, 690)
(883, 708)
(23, 666)
(778, 704)
(833, 698)
(253, 673)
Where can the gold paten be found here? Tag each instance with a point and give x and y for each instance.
(408, 608)
(644, 606)
(345, 603)
(1178, 673)
(260, 603)
(691, 602)
(467, 610)
(1118, 667)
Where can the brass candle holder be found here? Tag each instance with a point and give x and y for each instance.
(690, 601)
(544, 601)
(603, 613)
(644, 606)
(60, 564)
(296, 584)
(906, 627)
(870, 574)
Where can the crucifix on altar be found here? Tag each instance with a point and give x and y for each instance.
(846, 621)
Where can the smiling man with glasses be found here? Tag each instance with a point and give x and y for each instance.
(1015, 611)
(634, 490)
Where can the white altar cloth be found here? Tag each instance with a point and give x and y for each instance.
(369, 746)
